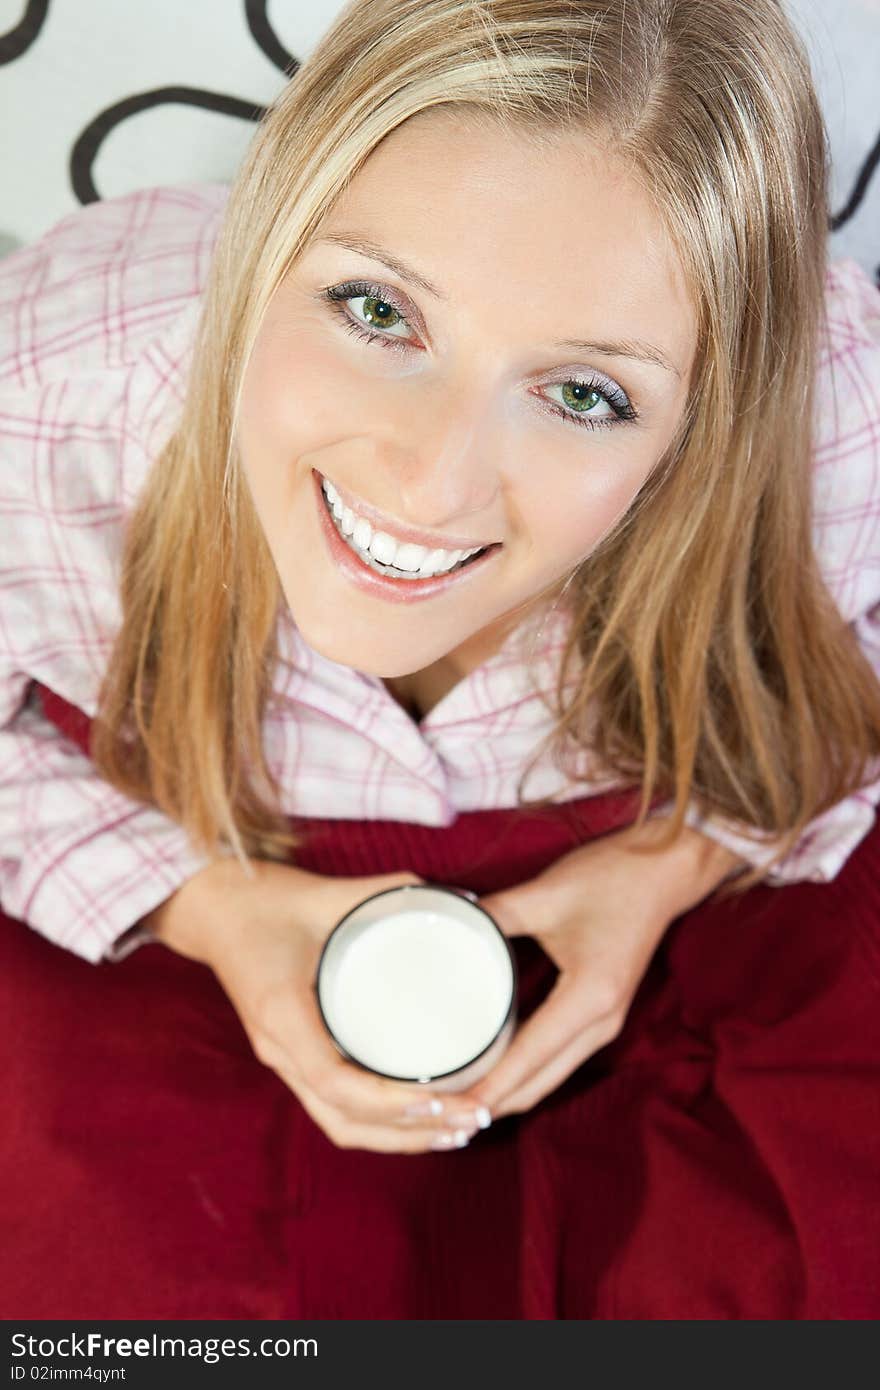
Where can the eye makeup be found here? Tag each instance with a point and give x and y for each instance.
(596, 384)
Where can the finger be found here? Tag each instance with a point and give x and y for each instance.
(529, 909)
(375, 1137)
(297, 1043)
(550, 1028)
(565, 1016)
(542, 1082)
(509, 910)
(414, 1114)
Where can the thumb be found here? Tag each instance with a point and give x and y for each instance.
(402, 878)
(510, 909)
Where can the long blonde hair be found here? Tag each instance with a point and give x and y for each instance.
(713, 664)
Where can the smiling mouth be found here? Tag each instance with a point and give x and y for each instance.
(391, 571)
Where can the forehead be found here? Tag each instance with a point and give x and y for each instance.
(482, 209)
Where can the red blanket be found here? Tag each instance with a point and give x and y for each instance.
(719, 1160)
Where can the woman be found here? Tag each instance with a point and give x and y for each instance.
(380, 386)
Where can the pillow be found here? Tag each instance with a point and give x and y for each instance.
(163, 93)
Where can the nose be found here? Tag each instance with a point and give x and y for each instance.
(444, 462)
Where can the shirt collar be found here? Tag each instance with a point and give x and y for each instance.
(527, 660)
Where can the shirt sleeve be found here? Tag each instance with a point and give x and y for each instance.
(79, 861)
(96, 324)
(846, 472)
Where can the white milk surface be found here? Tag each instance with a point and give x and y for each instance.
(419, 993)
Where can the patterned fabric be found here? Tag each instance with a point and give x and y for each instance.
(96, 327)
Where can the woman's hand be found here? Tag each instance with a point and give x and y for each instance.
(263, 938)
(599, 912)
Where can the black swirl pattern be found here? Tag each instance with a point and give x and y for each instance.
(16, 42)
(859, 188)
(89, 141)
(19, 39)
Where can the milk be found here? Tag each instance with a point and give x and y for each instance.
(419, 992)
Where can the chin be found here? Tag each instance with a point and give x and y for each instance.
(348, 645)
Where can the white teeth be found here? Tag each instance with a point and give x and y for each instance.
(382, 547)
(362, 533)
(379, 547)
(437, 561)
(410, 556)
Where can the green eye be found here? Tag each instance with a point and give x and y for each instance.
(379, 312)
(579, 398)
(588, 398)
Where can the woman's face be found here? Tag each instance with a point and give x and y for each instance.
(501, 367)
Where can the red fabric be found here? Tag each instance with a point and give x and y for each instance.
(719, 1160)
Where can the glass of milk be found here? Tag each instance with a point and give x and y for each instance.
(419, 984)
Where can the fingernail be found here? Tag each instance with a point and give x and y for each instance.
(420, 1108)
(480, 1117)
(451, 1139)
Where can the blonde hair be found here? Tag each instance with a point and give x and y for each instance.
(713, 665)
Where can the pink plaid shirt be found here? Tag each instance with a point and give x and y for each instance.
(96, 323)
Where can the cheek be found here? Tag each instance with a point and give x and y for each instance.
(293, 397)
(569, 520)
(266, 433)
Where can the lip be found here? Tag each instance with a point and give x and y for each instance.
(405, 533)
(396, 590)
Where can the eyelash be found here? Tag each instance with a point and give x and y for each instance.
(336, 295)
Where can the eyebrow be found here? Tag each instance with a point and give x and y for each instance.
(363, 246)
